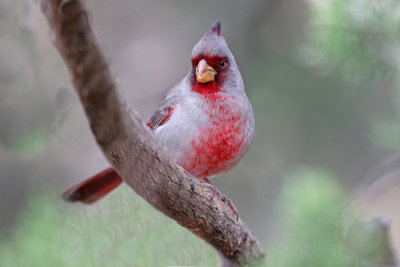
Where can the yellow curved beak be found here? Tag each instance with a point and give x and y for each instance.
(204, 72)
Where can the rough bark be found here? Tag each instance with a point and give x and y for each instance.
(131, 148)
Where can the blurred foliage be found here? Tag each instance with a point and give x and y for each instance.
(314, 224)
(125, 231)
(29, 79)
(29, 142)
(360, 39)
(121, 231)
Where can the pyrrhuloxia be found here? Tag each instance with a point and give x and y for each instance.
(205, 121)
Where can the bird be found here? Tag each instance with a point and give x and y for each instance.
(206, 121)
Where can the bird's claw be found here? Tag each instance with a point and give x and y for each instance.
(223, 197)
(229, 202)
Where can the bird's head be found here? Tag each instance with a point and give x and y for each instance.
(213, 66)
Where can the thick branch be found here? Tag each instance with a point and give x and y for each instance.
(143, 163)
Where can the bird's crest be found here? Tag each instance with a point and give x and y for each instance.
(215, 28)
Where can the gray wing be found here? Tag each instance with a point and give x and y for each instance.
(164, 112)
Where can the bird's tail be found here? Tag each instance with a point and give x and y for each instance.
(94, 188)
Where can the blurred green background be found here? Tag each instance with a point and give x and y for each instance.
(323, 78)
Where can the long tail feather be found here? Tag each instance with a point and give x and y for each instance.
(93, 188)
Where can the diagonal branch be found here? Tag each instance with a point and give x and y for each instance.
(143, 163)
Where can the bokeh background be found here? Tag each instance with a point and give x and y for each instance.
(323, 78)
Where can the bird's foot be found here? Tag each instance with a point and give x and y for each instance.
(223, 197)
(229, 202)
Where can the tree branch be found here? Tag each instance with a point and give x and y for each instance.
(131, 148)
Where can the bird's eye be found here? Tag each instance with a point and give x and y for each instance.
(222, 64)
